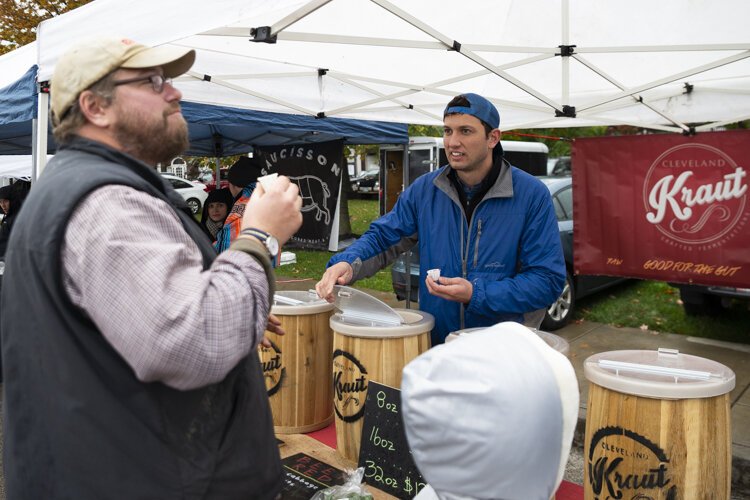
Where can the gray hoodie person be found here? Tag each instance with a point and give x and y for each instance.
(490, 415)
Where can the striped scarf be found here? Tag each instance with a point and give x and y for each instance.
(233, 224)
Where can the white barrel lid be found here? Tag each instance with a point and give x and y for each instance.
(554, 341)
(358, 308)
(662, 374)
(454, 335)
(298, 302)
(413, 322)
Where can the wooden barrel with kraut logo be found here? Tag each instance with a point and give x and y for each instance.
(297, 366)
(366, 351)
(657, 426)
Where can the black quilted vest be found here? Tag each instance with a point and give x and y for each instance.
(78, 424)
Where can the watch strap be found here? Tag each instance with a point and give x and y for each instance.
(258, 233)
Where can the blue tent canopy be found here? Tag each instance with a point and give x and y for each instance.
(214, 130)
(223, 131)
(17, 112)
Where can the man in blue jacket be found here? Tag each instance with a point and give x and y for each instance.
(488, 226)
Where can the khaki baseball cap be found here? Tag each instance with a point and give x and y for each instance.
(86, 63)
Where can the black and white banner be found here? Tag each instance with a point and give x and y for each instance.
(316, 169)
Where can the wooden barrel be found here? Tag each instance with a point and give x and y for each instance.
(297, 368)
(554, 341)
(365, 353)
(657, 426)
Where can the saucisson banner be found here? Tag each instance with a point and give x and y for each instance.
(316, 169)
(664, 207)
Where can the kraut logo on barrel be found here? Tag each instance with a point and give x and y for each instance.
(696, 195)
(349, 386)
(624, 464)
(271, 361)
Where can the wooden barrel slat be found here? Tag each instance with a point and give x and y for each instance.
(303, 401)
(367, 358)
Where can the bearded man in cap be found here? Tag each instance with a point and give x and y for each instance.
(133, 371)
(490, 228)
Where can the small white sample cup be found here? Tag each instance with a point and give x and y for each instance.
(267, 181)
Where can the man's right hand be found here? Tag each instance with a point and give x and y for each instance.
(338, 274)
(275, 211)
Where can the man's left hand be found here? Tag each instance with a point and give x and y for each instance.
(273, 326)
(455, 289)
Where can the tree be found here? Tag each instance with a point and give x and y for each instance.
(20, 18)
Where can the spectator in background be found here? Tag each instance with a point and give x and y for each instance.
(5, 200)
(241, 176)
(215, 211)
(490, 415)
(11, 200)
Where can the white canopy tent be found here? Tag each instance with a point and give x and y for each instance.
(17, 62)
(16, 167)
(545, 63)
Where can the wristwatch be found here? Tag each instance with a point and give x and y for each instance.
(271, 243)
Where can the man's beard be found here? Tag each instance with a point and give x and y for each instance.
(150, 139)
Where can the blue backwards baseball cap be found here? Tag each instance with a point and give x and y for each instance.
(479, 107)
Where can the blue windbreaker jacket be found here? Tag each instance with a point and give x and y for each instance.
(510, 250)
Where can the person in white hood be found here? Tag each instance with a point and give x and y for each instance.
(490, 415)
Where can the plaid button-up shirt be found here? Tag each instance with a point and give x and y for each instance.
(131, 267)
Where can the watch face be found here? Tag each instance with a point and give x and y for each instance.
(273, 245)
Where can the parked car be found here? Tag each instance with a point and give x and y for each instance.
(211, 182)
(368, 182)
(563, 167)
(709, 300)
(195, 193)
(576, 286)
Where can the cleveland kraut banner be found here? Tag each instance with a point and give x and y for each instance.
(316, 169)
(664, 207)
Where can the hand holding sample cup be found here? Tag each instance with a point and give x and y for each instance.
(274, 207)
(454, 289)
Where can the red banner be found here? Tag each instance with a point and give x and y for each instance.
(664, 207)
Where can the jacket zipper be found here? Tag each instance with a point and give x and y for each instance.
(476, 244)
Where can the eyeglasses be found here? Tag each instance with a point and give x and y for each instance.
(157, 82)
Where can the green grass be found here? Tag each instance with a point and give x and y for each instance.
(656, 306)
(651, 305)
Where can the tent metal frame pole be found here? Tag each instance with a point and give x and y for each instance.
(431, 87)
(246, 91)
(298, 14)
(666, 48)
(453, 44)
(34, 153)
(298, 36)
(669, 79)
(622, 87)
(40, 142)
(407, 258)
(565, 17)
(709, 126)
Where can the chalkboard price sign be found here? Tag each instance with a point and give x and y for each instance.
(384, 452)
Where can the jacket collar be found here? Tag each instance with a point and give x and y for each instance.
(502, 188)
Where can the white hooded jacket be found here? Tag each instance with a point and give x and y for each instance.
(490, 415)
